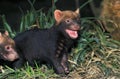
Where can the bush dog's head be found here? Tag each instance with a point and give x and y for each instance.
(68, 22)
(7, 47)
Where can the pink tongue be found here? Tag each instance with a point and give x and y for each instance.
(72, 34)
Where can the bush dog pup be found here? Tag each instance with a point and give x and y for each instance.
(7, 48)
(51, 45)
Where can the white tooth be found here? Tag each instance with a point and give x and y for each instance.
(75, 32)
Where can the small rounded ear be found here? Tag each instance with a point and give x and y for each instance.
(6, 33)
(77, 11)
(0, 34)
(57, 15)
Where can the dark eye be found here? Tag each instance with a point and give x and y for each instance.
(7, 47)
(68, 21)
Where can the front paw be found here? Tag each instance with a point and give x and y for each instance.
(60, 70)
(67, 71)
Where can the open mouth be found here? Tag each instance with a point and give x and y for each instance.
(72, 33)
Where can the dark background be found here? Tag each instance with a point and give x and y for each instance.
(13, 9)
